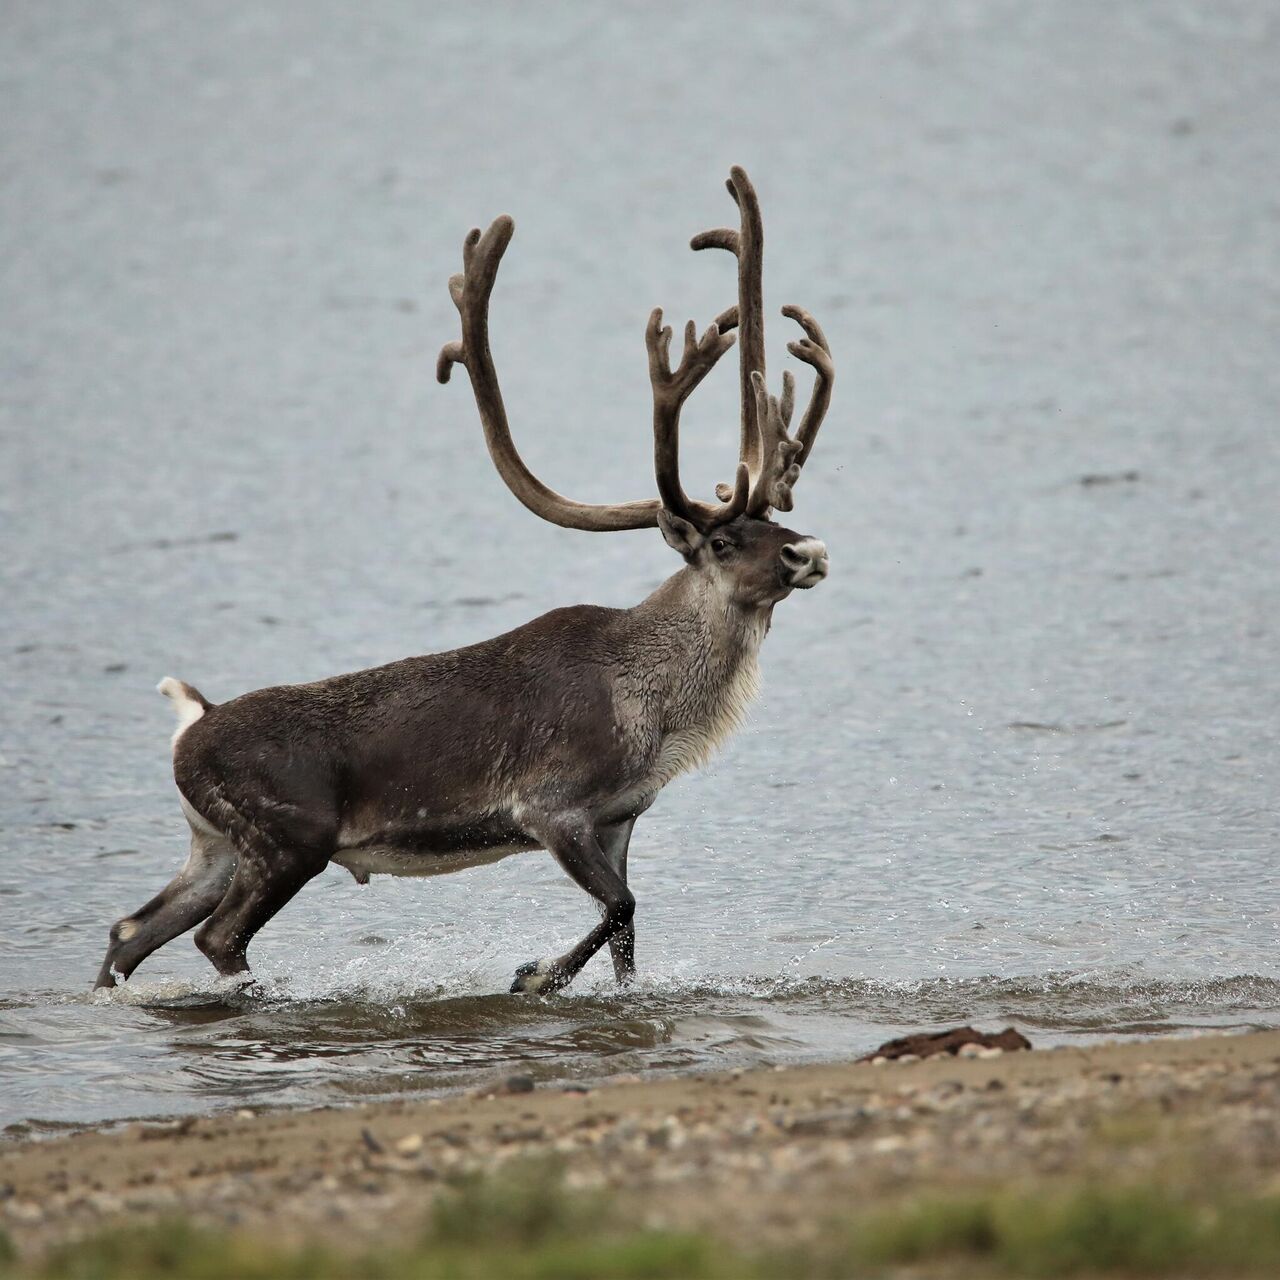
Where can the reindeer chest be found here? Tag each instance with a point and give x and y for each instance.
(700, 722)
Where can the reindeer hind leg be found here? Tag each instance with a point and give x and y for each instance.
(270, 870)
(186, 900)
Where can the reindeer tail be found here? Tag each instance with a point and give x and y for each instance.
(189, 703)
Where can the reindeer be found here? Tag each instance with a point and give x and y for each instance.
(557, 735)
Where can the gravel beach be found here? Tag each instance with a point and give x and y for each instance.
(760, 1157)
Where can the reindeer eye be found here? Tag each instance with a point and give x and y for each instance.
(719, 546)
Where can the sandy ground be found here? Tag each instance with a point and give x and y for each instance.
(758, 1155)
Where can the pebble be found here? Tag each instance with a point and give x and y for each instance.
(26, 1211)
(843, 1121)
(883, 1146)
(409, 1145)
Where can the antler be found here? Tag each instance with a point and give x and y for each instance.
(470, 290)
(780, 469)
(814, 351)
(481, 256)
(773, 458)
(747, 245)
(769, 458)
(670, 391)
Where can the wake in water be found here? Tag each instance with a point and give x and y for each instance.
(1117, 1000)
(354, 1027)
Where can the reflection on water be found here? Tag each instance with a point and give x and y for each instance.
(1015, 760)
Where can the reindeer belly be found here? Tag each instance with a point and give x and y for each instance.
(384, 861)
(434, 850)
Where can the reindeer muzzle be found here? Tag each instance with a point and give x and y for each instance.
(804, 563)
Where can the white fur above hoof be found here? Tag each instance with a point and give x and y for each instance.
(535, 978)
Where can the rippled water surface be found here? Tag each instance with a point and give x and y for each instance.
(1017, 758)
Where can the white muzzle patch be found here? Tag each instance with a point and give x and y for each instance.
(805, 563)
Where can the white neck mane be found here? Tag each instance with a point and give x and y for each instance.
(716, 683)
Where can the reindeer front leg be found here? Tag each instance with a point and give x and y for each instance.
(573, 844)
(615, 840)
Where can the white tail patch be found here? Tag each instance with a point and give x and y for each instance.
(187, 702)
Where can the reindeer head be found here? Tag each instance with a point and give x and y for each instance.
(751, 561)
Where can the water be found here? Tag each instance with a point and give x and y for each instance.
(1015, 759)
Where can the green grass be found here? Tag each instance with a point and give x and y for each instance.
(526, 1226)
(176, 1251)
(1130, 1231)
(522, 1226)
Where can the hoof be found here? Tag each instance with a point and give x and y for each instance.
(239, 984)
(536, 978)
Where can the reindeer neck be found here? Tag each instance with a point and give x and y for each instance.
(710, 647)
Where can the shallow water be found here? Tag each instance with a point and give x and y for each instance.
(1016, 760)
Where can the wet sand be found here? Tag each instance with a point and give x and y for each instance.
(756, 1157)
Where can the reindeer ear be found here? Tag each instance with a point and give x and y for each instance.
(681, 536)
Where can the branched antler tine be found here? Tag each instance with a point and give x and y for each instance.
(747, 245)
(470, 289)
(450, 354)
(667, 399)
(727, 319)
(787, 404)
(738, 498)
(717, 238)
(670, 391)
(761, 395)
(690, 344)
(664, 347)
(481, 257)
(770, 427)
(813, 330)
(814, 350)
(652, 330)
(778, 472)
(469, 245)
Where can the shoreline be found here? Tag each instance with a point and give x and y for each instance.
(761, 1153)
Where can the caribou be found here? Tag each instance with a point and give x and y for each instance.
(556, 736)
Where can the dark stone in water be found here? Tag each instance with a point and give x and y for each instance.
(927, 1044)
